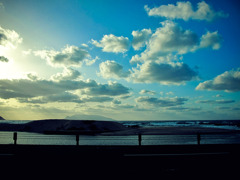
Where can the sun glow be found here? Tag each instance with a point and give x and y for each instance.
(13, 66)
(10, 71)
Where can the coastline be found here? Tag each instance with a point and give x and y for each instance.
(63, 126)
(171, 130)
(151, 161)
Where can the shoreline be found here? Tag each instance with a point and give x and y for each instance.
(171, 130)
(92, 127)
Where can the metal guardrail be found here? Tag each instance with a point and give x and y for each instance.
(137, 139)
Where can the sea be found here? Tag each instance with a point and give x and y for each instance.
(6, 137)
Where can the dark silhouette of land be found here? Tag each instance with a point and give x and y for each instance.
(199, 161)
(94, 127)
(63, 126)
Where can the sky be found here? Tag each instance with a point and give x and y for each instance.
(121, 60)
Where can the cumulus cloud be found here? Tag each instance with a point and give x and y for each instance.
(116, 101)
(212, 40)
(229, 81)
(110, 89)
(40, 91)
(170, 38)
(61, 97)
(140, 38)
(3, 59)
(111, 69)
(222, 101)
(112, 43)
(64, 97)
(67, 74)
(144, 91)
(97, 99)
(185, 11)
(161, 102)
(68, 56)
(32, 76)
(163, 73)
(29, 88)
(150, 72)
(180, 108)
(9, 38)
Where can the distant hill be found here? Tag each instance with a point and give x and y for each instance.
(88, 117)
(1, 118)
(57, 126)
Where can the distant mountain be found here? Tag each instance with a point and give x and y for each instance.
(61, 126)
(88, 117)
(1, 118)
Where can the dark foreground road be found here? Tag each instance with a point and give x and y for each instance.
(120, 162)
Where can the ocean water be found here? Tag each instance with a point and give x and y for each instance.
(224, 124)
(6, 137)
(43, 139)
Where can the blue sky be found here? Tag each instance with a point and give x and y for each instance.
(125, 60)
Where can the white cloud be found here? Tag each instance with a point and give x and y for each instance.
(90, 62)
(110, 89)
(161, 102)
(27, 52)
(182, 10)
(9, 38)
(67, 74)
(34, 87)
(219, 95)
(32, 76)
(185, 11)
(61, 97)
(170, 93)
(69, 56)
(111, 69)
(112, 43)
(116, 101)
(39, 91)
(170, 38)
(181, 109)
(229, 81)
(144, 91)
(163, 73)
(150, 72)
(64, 97)
(140, 38)
(211, 39)
(97, 99)
(222, 101)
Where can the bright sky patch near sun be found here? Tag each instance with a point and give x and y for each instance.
(124, 60)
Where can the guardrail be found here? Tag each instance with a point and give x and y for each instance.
(138, 139)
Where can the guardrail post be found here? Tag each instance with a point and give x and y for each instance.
(139, 139)
(198, 138)
(15, 138)
(77, 139)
